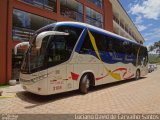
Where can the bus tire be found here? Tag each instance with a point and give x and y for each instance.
(84, 84)
(138, 74)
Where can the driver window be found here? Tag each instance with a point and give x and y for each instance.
(57, 50)
(60, 47)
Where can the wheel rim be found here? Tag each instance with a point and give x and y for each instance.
(137, 75)
(87, 83)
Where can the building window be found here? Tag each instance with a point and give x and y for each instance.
(115, 19)
(24, 24)
(71, 9)
(94, 18)
(45, 4)
(98, 3)
(122, 25)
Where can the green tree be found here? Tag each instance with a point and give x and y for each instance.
(157, 45)
(151, 48)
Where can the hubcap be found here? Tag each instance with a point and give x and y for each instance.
(87, 83)
(137, 75)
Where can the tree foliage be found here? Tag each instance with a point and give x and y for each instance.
(157, 44)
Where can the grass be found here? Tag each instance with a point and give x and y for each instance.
(158, 63)
(154, 59)
(3, 86)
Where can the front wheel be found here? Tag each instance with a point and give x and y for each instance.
(137, 74)
(84, 84)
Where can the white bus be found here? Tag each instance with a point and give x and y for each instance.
(66, 56)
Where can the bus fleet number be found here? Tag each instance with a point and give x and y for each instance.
(57, 88)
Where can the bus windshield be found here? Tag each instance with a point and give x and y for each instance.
(55, 49)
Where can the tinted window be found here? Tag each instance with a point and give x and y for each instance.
(94, 18)
(61, 47)
(72, 9)
(45, 4)
(116, 45)
(25, 24)
(111, 44)
(98, 3)
(128, 47)
(101, 41)
(87, 45)
(144, 55)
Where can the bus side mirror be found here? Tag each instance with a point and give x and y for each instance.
(19, 45)
(42, 35)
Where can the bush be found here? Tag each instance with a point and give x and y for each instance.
(154, 59)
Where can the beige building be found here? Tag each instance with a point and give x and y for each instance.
(122, 23)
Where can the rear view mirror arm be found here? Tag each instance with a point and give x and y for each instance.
(20, 45)
(42, 35)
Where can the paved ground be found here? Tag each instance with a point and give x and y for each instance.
(129, 96)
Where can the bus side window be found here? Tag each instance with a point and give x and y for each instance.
(100, 41)
(144, 56)
(87, 45)
(60, 47)
(110, 45)
(127, 48)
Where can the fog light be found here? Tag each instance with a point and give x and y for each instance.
(39, 89)
(24, 87)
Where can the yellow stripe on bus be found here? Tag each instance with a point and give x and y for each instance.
(114, 75)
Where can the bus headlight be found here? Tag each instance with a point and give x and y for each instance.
(38, 78)
(34, 80)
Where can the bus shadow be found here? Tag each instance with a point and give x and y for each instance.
(113, 84)
(38, 100)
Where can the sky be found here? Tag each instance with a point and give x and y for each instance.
(146, 16)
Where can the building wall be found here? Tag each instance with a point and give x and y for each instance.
(108, 16)
(6, 13)
(3, 40)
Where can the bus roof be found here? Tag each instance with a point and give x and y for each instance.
(85, 25)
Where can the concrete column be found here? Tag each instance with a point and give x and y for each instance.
(108, 15)
(10, 44)
(58, 7)
(3, 40)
